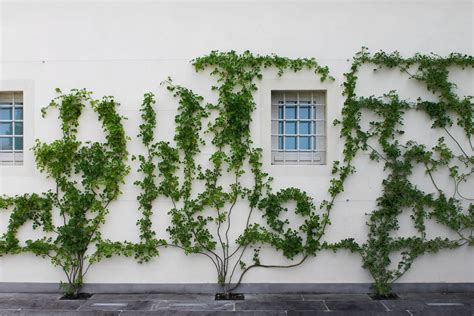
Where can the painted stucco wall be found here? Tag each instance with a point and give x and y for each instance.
(126, 48)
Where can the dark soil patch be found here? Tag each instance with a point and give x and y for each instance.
(80, 296)
(230, 297)
(377, 297)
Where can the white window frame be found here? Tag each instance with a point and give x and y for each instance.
(15, 153)
(262, 130)
(316, 101)
(27, 168)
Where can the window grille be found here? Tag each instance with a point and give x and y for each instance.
(298, 127)
(11, 128)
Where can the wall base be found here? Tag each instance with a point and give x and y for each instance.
(27, 287)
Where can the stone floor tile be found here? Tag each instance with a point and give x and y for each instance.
(347, 313)
(336, 297)
(31, 296)
(58, 313)
(273, 297)
(105, 305)
(403, 305)
(355, 306)
(279, 305)
(467, 296)
(120, 297)
(418, 296)
(204, 313)
(193, 305)
(419, 305)
(180, 297)
(40, 304)
(441, 313)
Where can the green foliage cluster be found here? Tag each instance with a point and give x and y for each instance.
(399, 193)
(87, 177)
(201, 220)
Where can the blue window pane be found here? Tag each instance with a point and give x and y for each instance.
(280, 142)
(18, 128)
(5, 113)
(305, 112)
(280, 127)
(305, 127)
(280, 112)
(290, 128)
(290, 112)
(290, 143)
(6, 128)
(18, 143)
(6, 143)
(18, 113)
(305, 143)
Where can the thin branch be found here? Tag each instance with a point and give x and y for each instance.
(199, 252)
(455, 140)
(266, 266)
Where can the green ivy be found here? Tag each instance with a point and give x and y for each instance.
(229, 126)
(87, 177)
(399, 194)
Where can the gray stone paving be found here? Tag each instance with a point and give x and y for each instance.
(409, 304)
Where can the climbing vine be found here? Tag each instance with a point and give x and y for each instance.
(201, 221)
(399, 194)
(87, 177)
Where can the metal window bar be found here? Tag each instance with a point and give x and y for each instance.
(280, 146)
(14, 105)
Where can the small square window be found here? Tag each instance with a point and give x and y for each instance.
(298, 117)
(11, 128)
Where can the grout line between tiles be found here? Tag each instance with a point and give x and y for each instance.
(325, 305)
(386, 308)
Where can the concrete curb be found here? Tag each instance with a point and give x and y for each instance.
(271, 288)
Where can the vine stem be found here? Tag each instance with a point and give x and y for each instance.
(456, 141)
(265, 266)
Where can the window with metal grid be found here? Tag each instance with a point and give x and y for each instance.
(298, 127)
(11, 128)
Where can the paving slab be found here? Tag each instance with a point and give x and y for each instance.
(347, 313)
(279, 305)
(441, 313)
(273, 297)
(193, 306)
(58, 313)
(204, 313)
(418, 305)
(180, 297)
(336, 297)
(31, 296)
(443, 296)
(254, 304)
(104, 305)
(120, 297)
(40, 304)
(355, 306)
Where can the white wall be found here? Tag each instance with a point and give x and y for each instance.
(126, 48)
